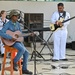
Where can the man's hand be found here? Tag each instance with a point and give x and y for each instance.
(32, 34)
(13, 39)
(60, 24)
(57, 23)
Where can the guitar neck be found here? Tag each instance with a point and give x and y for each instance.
(25, 34)
(68, 19)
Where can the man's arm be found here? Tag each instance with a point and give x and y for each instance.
(3, 32)
(53, 18)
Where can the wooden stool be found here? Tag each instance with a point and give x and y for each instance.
(10, 68)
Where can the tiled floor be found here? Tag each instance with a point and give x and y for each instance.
(46, 67)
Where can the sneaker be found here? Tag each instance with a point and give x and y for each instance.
(64, 59)
(54, 60)
(26, 72)
(15, 67)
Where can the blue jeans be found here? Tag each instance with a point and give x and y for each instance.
(21, 51)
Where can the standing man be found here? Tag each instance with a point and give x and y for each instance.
(3, 20)
(13, 26)
(60, 35)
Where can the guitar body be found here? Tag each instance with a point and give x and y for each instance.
(10, 42)
(53, 27)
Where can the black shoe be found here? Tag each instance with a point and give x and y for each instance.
(26, 72)
(2, 55)
(0, 52)
(64, 59)
(54, 60)
(15, 67)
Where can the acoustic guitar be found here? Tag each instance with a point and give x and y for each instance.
(13, 34)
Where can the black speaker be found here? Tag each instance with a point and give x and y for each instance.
(34, 20)
(69, 45)
(73, 45)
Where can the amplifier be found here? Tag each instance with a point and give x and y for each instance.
(73, 45)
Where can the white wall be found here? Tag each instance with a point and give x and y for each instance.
(42, 7)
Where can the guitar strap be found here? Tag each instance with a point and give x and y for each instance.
(62, 16)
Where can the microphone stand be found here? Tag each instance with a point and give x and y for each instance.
(34, 52)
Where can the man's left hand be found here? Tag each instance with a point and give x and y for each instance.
(32, 34)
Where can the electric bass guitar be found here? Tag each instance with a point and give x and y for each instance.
(14, 35)
(54, 27)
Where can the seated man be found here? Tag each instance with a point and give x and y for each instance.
(13, 25)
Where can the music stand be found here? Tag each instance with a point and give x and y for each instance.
(46, 42)
(47, 45)
(36, 53)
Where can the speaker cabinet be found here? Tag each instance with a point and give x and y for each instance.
(34, 20)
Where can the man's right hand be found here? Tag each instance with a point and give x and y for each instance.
(57, 23)
(13, 39)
